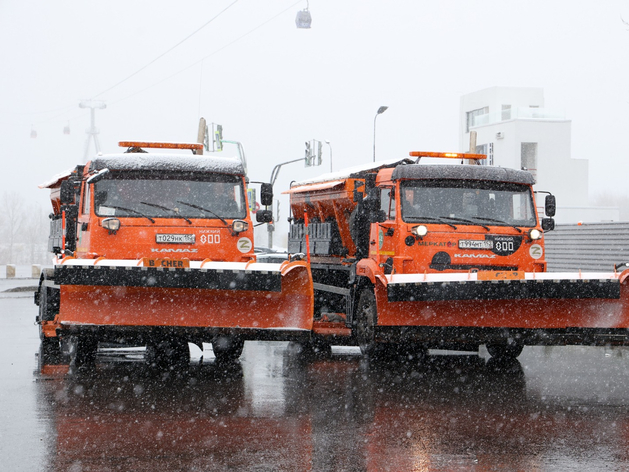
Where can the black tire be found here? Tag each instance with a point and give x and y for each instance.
(172, 353)
(83, 351)
(51, 346)
(366, 317)
(504, 351)
(50, 352)
(321, 348)
(314, 348)
(412, 352)
(227, 348)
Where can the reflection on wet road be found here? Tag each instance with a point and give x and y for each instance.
(554, 409)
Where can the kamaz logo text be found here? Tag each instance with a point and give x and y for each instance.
(476, 256)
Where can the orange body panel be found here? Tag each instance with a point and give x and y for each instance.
(416, 259)
(136, 239)
(289, 309)
(541, 313)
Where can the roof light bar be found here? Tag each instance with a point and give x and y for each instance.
(154, 145)
(448, 155)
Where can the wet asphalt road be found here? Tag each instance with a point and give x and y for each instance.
(555, 409)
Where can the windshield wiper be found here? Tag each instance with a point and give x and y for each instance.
(493, 220)
(197, 207)
(429, 219)
(130, 211)
(174, 210)
(466, 220)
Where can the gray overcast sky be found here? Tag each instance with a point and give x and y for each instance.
(278, 86)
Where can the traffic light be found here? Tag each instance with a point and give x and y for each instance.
(218, 138)
(313, 157)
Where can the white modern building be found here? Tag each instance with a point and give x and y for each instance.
(515, 130)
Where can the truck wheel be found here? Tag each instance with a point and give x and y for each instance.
(171, 353)
(49, 351)
(227, 348)
(82, 351)
(366, 316)
(412, 352)
(315, 348)
(504, 351)
(50, 346)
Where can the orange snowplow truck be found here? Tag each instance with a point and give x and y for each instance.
(406, 257)
(156, 249)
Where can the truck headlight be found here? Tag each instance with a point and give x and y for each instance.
(535, 234)
(111, 224)
(420, 230)
(238, 226)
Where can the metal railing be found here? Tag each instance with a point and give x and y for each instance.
(587, 247)
(524, 113)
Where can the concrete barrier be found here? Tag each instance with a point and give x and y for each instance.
(35, 271)
(10, 271)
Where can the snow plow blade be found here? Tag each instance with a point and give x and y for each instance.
(535, 308)
(252, 300)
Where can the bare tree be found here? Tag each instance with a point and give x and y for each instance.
(12, 218)
(35, 230)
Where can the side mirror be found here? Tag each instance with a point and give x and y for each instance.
(550, 205)
(66, 192)
(264, 216)
(378, 216)
(266, 195)
(548, 224)
(98, 176)
(373, 199)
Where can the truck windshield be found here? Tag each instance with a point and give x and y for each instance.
(137, 195)
(469, 202)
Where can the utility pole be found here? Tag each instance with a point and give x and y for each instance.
(92, 131)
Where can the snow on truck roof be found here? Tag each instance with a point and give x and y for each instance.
(54, 181)
(355, 171)
(408, 169)
(463, 172)
(168, 162)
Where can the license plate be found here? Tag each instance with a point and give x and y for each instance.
(175, 238)
(475, 244)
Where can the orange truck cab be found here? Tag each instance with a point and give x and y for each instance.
(407, 256)
(157, 249)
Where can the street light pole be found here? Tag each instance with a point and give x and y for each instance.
(270, 227)
(328, 143)
(381, 110)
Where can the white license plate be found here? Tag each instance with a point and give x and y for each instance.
(175, 238)
(475, 244)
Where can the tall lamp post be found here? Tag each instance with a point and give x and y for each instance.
(328, 143)
(380, 111)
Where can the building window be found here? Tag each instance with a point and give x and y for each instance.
(488, 150)
(528, 157)
(506, 112)
(472, 117)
